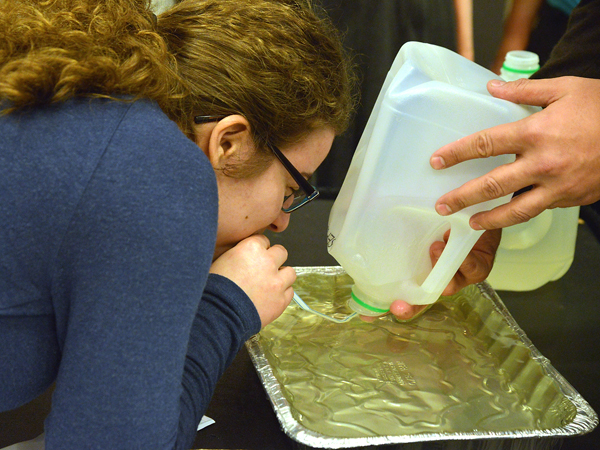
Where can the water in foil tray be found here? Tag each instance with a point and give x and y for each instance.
(463, 370)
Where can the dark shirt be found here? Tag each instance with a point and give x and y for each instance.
(578, 54)
(578, 51)
(108, 219)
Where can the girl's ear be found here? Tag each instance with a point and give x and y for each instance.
(229, 142)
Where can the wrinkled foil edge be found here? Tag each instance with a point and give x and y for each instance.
(584, 421)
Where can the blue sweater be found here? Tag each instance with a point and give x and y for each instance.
(108, 219)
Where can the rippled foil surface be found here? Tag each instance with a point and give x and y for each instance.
(463, 370)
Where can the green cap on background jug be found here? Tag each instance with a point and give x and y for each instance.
(519, 64)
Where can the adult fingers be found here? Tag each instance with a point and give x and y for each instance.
(499, 182)
(478, 264)
(499, 140)
(435, 252)
(401, 310)
(507, 138)
(529, 92)
(520, 209)
(368, 319)
(405, 311)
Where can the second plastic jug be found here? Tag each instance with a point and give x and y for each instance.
(383, 221)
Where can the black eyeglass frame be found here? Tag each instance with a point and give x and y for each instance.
(309, 190)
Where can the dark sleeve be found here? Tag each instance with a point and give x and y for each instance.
(140, 350)
(578, 51)
(216, 341)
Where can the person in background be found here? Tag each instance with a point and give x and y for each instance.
(534, 25)
(141, 160)
(557, 149)
(465, 42)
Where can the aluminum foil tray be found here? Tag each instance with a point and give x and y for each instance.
(464, 370)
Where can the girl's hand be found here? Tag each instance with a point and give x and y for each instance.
(257, 268)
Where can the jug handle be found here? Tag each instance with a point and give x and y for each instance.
(461, 240)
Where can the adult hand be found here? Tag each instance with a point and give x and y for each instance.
(256, 268)
(557, 153)
(475, 268)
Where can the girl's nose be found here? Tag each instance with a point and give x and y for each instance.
(280, 223)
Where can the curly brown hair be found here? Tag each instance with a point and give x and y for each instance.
(279, 63)
(53, 50)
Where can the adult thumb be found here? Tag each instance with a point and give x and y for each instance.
(527, 92)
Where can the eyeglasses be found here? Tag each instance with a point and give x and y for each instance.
(299, 197)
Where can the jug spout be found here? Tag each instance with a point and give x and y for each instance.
(369, 300)
(366, 305)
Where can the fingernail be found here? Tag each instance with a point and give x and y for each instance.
(437, 162)
(437, 252)
(476, 226)
(443, 209)
(497, 83)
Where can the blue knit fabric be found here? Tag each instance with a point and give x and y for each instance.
(108, 219)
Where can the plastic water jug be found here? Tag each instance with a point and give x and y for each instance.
(383, 221)
(533, 253)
